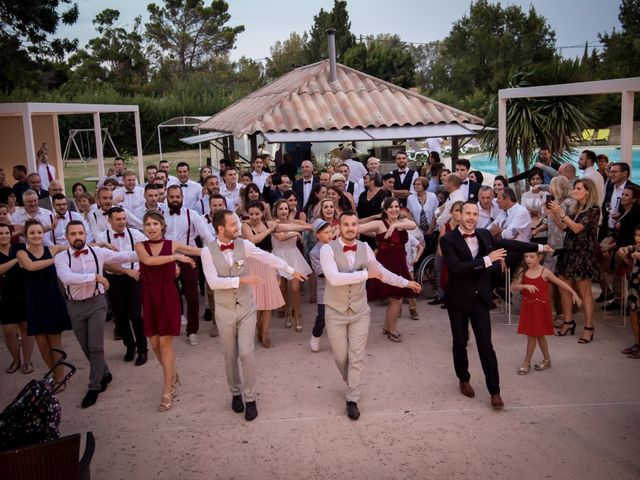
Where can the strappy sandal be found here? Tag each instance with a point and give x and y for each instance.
(27, 368)
(288, 322)
(394, 337)
(524, 369)
(166, 402)
(13, 368)
(543, 365)
(385, 332)
(298, 325)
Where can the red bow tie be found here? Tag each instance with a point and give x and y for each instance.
(226, 247)
(77, 253)
(348, 248)
(117, 235)
(174, 212)
(468, 235)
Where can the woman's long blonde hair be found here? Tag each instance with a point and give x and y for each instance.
(592, 197)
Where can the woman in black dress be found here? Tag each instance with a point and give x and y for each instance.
(47, 315)
(13, 306)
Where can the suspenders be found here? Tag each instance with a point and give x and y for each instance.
(53, 233)
(95, 259)
(130, 240)
(188, 226)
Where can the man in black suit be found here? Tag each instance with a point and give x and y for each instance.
(303, 187)
(545, 162)
(404, 177)
(468, 187)
(617, 182)
(471, 254)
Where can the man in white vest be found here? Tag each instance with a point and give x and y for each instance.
(225, 268)
(347, 264)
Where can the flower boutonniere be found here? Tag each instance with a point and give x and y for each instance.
(240, 262)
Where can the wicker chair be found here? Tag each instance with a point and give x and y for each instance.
(55, 460)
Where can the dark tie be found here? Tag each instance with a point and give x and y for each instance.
(402, 172)
(61, 216)
(182, 185)
(118, 235)
(129, 192)
(174, 212)
(348, 248)
(118, 174)
(307, 182)
(466, 182)
(469, 235)
(77, 253)
(49, 176)
(226, 247)
(105, 213)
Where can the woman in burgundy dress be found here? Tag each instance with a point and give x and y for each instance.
(160, 300)
(391, 236)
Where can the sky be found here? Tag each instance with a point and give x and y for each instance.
(574, 21)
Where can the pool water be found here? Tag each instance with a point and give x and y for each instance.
(486, 163)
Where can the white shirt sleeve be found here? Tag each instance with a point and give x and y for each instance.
(331, 273)
(387, 276)
(520, 222)
(202, 228)
(65, 274)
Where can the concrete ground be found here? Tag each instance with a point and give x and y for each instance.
(578, 420)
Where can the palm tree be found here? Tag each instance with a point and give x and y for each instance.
(536, 122)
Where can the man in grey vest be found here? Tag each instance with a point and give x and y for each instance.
(225, 268)
(347, 265)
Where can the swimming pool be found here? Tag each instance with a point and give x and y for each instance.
(486, 163)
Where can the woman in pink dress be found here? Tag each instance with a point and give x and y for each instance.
(160, 299)
(391, 237)
(535, 312)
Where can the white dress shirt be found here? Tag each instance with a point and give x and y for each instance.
(191, 192)
(80, 277)
(186, 226)
(515, 222)
(357, 170)
(202, 205)
(58, 234)
(250, 251)
(42, 215)
(132, 198)
(464, 188)
(99, 221)
(616, 193)
(171, 180)
(307, 186)
(44, 169)
(592, 174)
(336, 278)
(445, 215)
(429, 206)
(232, 196)
(259, 179)
(124, 243)
(140, 211)
(485, 217)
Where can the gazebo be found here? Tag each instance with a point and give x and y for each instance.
(330, 102)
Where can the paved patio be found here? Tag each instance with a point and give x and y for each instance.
(578, 420)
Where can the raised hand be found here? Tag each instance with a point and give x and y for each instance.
(498, 254)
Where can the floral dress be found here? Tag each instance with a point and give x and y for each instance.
(580, 249)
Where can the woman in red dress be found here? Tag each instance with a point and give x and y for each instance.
(160, 299)
(535, 312)
(391, 236)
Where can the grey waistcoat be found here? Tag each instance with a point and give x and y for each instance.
(230, 297)
(348, 299)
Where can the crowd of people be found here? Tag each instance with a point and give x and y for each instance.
(146, 250)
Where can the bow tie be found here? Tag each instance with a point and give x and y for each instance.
(118, 235)
(469, 235)
(174, 212)
(226, 247)
(402, 172)
(105, 213)
(77, 253)
(466, 182)
(129, 192)
(118, 174)
(349, 248)
(182, 185)
(60, 216)
(307, 181)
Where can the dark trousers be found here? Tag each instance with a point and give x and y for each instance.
(480, 320)
(318, 327)
(124, 295)
(189, 280)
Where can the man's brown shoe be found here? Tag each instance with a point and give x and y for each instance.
(467, 390)
(496, 402)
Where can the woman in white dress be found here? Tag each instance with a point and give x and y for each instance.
(285, 246)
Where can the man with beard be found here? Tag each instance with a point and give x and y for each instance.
(99, 219)
(80, 269)
(211, 187)
(347, 264)
(404, 177)
(130, 195)
(190, 190)
(60, 217)
(471, 254)
(184, 225)
(225, 267)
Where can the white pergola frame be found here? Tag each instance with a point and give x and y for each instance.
(626, 87)
(26, 110)
(179, 122)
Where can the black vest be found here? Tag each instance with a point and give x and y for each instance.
(403, 185)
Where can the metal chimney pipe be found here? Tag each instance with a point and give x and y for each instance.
(331, 44)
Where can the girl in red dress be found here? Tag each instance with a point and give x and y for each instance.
(535, 312)
(160, 300)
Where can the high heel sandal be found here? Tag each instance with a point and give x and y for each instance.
(394, 337)
(560, 333)
(288, 322)
(165, 402)
(584, 340)
(14, 367)
(298, 325)
(524, 369)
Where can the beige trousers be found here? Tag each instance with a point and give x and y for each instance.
(348, 337)
(237, 329)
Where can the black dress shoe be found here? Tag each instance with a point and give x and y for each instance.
(236, 404)
(252, 411)
(142, 359)
(208, 316)
(601, 297)
(104, 383)
(352, 410)
(128, 357)
(435, 301)
(90, 398)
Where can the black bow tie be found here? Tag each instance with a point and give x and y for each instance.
(402, 172)
(174, 212)
(105, 213)
(466, 182)
(129, 192)
(182, 185)
(307, 181)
